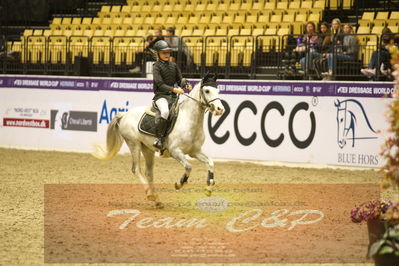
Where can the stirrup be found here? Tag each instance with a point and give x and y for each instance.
(158, 144)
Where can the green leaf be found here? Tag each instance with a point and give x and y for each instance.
(386, 250)
(376, 247)
(397, 253)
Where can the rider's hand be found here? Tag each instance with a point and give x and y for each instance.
(189, 87)
(178, 91)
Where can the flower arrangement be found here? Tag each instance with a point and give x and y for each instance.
(390, 149)
(370, 210)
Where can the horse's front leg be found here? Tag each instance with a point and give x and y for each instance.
(202, 157)
(181, 158)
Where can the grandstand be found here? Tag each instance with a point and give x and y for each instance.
(238, 38)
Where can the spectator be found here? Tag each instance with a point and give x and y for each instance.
(384, 58)
(174, 42)
(309, 46)
(336, 38)
(345, 50)
(146, 55)
(322, 46)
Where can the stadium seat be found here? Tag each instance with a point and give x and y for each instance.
(295, 4)
(228, 19)
(66, 21)
(101, 49)
(76, 21)
(209, 32)
(239, 19)
(366, 19)
(205, 19)
(221, 31)
(282, 6)
(258, 31)
(394, 28)
(57, 49)
(306, 4)
(216, 20)
(319, 4)
(246, 6)
(36, 49)
(182, 20)
(381, 19)
(394, 15)
(200, 7)
(377, 30)
(264, 18)
(252, 20)
(86, 21)
(314, 18)
(198, 32)
(234, 7)
(195, 46)
(194, 20)
(186, 32)
(347, 4)
(257, 6)
(78, 46)
(270, 6)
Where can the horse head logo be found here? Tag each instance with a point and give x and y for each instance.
(347, 121)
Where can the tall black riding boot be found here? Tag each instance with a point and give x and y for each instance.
(160, 128)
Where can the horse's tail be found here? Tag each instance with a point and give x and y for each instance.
(114, 141)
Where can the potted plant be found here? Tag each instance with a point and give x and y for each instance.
(383, 216)
(372, 212)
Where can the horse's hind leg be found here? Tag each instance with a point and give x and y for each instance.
(149, 163)
(202, 157)
(179, 156)
(135, 150)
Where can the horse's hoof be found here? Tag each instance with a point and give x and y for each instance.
(159, 205)
(179, 186)
(208, 192)
(151, 197)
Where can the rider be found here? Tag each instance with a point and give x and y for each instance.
(166, 74)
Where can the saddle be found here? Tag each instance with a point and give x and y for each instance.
(147, 120)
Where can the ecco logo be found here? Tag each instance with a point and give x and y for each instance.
(269, 141)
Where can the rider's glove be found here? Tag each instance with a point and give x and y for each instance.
(177, 91)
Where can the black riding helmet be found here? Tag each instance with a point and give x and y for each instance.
(161, 45)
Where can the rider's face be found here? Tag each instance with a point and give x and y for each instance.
(164, 55)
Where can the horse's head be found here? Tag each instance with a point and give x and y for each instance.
(341, 122)
(210, 94)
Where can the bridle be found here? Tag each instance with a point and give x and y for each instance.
(203, 103)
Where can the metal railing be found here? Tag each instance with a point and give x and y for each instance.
(238, 56)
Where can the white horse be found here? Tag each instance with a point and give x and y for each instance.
(186, 138)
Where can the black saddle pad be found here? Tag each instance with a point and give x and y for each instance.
(147, 124)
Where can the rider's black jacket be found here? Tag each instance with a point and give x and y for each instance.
(166, 75)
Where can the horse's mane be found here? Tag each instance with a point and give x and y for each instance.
(193, 93)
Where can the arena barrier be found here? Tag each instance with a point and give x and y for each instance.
(334, 123)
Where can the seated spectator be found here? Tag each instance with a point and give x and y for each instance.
(174, 42)
(336, 37)
(384, 58)
(345, 51)
(308, 46)
(146, 55)
(318, 48)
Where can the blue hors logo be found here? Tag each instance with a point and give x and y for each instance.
(350, 117)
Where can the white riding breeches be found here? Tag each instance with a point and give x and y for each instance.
(163, 107)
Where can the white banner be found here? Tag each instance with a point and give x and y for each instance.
(323, 130)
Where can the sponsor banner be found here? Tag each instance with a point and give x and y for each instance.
(243, 223)
(20, 122)
(74, 120)
(247, 87)
(331, 130)
(325, 130)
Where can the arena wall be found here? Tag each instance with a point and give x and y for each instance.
(334, 123)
